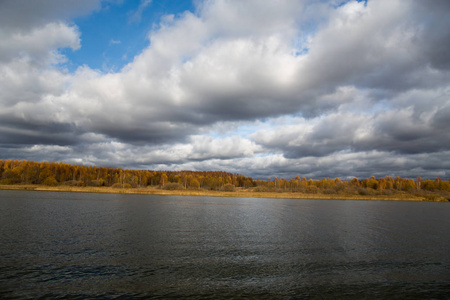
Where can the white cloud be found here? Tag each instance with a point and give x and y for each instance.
(39, 45)
(136, 16)
(205, 147)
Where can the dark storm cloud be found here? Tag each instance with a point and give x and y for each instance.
(17, 132)
(441, 120)
(398, 131)
(152, 134)
(38, 153)
(347, 165)
(436, 36)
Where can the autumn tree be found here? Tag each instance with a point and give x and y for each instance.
(163, 179)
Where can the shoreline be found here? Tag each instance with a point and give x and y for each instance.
(207, 193)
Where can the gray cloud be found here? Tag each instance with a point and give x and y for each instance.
(23, 14)
(400, 130)
(347, 165)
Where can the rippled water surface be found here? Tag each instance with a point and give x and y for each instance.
(144, 246)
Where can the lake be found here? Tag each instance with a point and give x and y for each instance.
(81, 245)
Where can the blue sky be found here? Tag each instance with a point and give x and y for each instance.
(112, 36)
(263, 88)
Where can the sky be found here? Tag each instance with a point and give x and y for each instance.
(261, 88)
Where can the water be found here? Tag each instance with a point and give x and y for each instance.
(76, 245)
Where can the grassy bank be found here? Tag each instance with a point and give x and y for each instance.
(237, 193)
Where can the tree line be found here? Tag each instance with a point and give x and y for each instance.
(58, 173)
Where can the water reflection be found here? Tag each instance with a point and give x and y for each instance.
(100, 245)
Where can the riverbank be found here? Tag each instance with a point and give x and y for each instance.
(238, 193)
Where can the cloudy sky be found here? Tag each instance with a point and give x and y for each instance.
(262, 88)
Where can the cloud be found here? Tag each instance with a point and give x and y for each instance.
(40, 44)
(136, 16)
(99, 149)
(114, 42)
(359, 87)
(23, 15)
(403, 130)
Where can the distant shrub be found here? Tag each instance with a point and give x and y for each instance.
(50, 181)
(229, 187)
(173, 186)
(339, 188)
(263, 188)
(366, 191)
(387, 192)
(260, 188)
(435, 198)
(194, 184)
(330, 191)
(207, 187)
(7, 181)
(74, 183)
(122, 186)
(312, 189)
(99, 182)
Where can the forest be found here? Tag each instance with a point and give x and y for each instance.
(22, 172)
